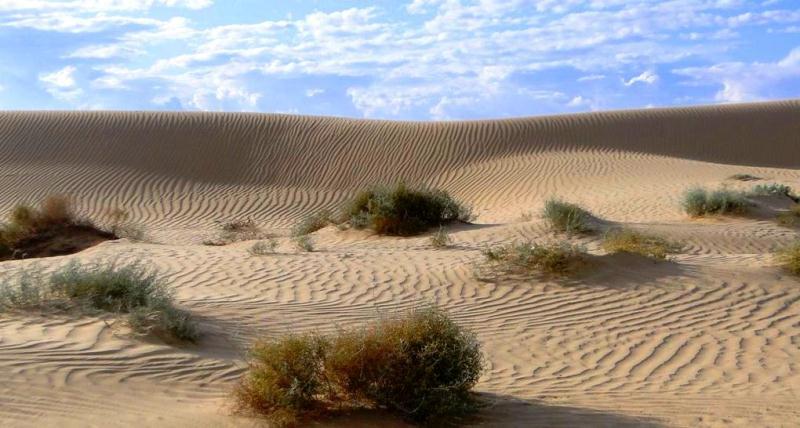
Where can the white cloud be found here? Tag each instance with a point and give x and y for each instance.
(647, 77)
(591, 77)
(313, 92)
(746, 81)
(61, 84)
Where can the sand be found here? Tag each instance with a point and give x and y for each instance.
(712, 339)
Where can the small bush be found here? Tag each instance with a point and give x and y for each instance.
(235, 231)
(263, 248)
(698, 202)
(402, 210)
(421, 366)
(561, 216)
(774, 189)
(121, 226)
(790, 258)
(630, 241)
(441, 239)
(304, 243)
(526, 258)
(132, 290)
(313, 223)
(790, 218)
(744, 177)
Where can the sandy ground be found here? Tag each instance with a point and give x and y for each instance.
(711, 339)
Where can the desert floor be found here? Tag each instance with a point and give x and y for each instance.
(709, 339)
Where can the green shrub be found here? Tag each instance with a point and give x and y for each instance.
(791, 217)
(698, 202)
(402, 210)
(262, 248)
(526, 258)
(561, 216)
(132, 290)
(313, 223)
(441, 239)
(744, 177)
(304, 243)
(285, 379)
(790, 258)
(24, 221)
(773, 189)
(421, 366)
(235, 231)
(630, 241)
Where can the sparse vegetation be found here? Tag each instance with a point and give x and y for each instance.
(50, 230)
(304, 243)
(698, 202)
(265, 247)
(421, 366)
(132, 290)
(790, 258)
(558, 259)
(235, 231)
(403, 211)
(121, 226)
(791, 217)
(565, 217)
(774, 189)
(744, 177)
(441, 239)
(631, 241)
(313, 223)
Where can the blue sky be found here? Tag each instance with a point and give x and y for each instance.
(412, 59)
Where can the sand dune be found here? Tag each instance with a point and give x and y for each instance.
(709, 340)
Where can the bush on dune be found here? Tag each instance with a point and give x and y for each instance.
(131, 290)
(630, 241)
(558, 259)
(774, 189)
(698, 202)
(565, 217)
(313, 223)
(789, 258)
(791, 217)
(421, 366)
(402, 210)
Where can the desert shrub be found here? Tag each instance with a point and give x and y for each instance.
(562, 216)
(790, 258)
(285, 379)
(698, 202)
(773, 189)
(25, 221)
(132, 290)
(441, 239)
(121, 226)
(791, 217)
(313, 223)
(421, 365)
(402, 210)
(560, 258)
(262, 248)
(235, 231)
(630, 241)
(304, 243)
(744, 177)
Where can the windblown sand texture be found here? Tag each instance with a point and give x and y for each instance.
(712, 339)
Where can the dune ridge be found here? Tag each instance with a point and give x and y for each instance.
(709, 339)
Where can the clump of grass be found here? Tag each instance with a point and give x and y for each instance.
(421, 365)
(51, 229)
(791, 217)
(121, 226)
(774, 189)
(132, 290)
(441, 239)
(235, 231)
(790, 258)
(630, 241)
(263, 248)
(304, 243)
(558, 259)
(313, 223)
(565, 217)
(698, 202)
(744, 177)
(402, 210)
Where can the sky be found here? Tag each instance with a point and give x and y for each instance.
(403, 59)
